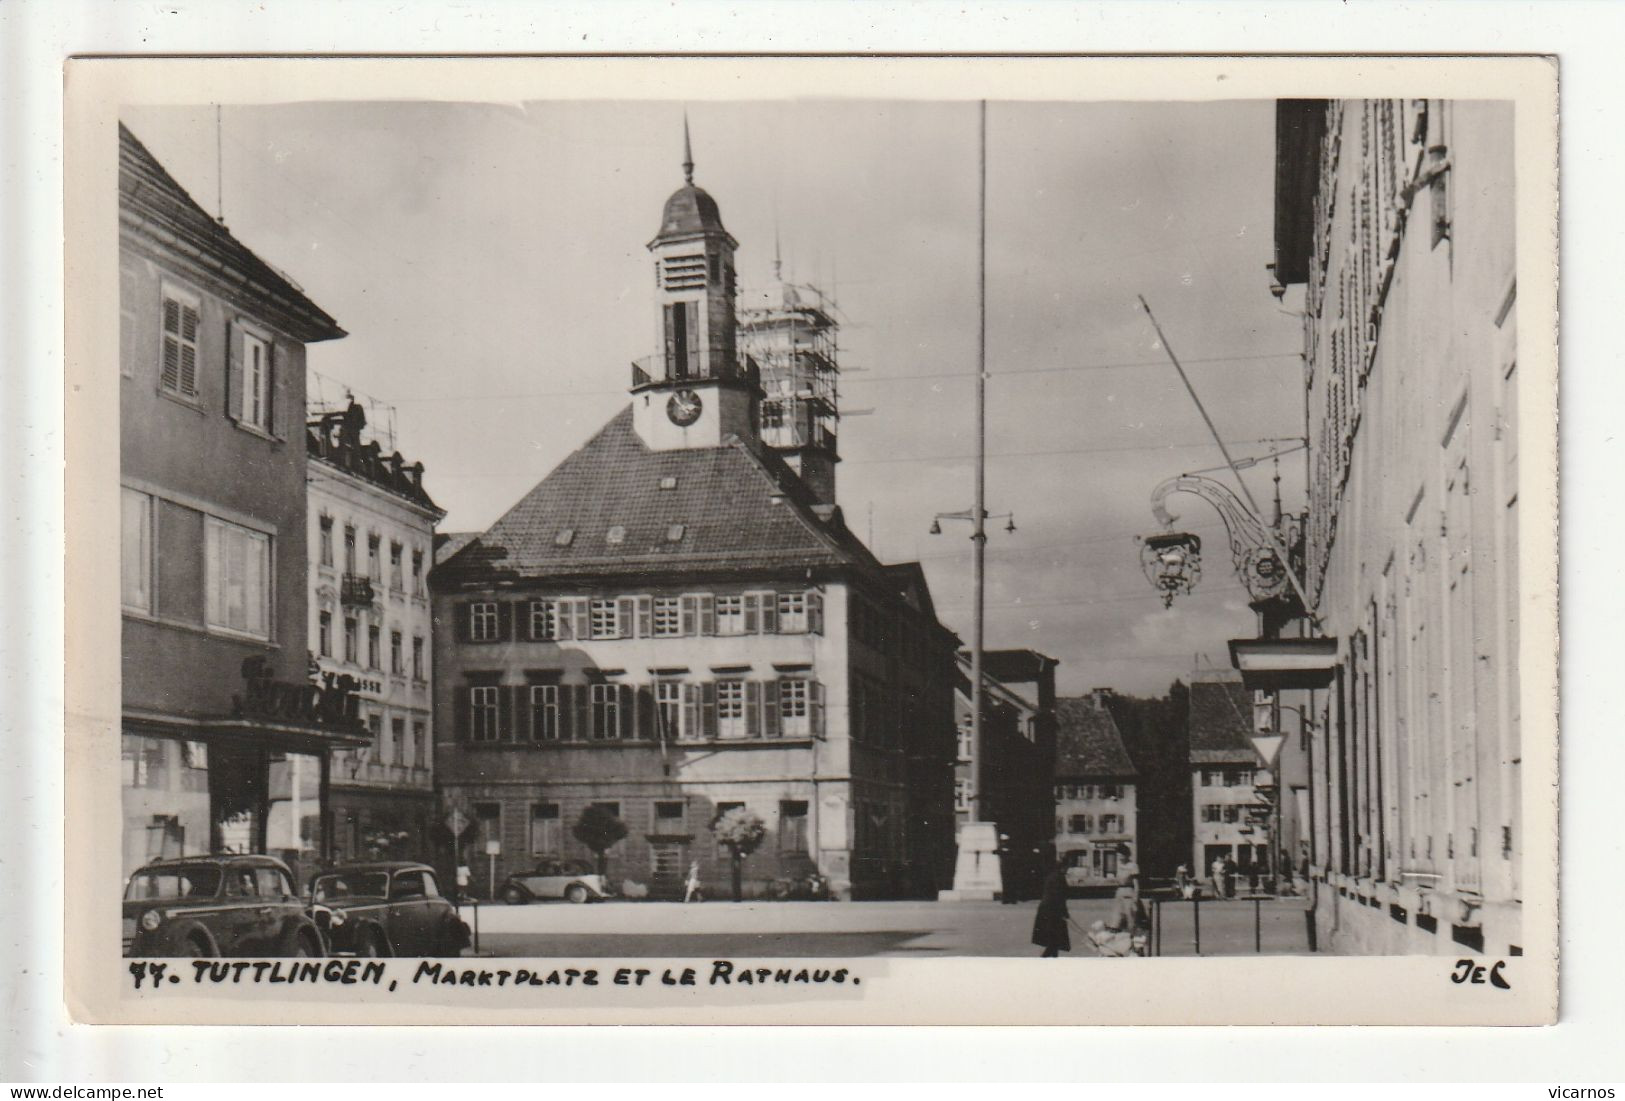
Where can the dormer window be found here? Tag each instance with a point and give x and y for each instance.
(674, 533)
(615, 536)
(565, 537)
(668, 482)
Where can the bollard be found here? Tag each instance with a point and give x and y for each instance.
(1196, 920)
(1258, 927)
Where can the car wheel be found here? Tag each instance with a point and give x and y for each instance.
(194, 947)
(513, 895)
(372, 944)
(305, 946)
(576, 893)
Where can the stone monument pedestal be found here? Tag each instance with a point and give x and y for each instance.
(976, 871)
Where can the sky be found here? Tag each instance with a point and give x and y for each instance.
(489, 264)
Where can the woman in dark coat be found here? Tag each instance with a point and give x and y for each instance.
(1049, 927)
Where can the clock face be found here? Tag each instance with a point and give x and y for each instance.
(683, 408)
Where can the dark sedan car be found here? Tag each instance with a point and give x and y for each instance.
(387, 908)
(224, 905)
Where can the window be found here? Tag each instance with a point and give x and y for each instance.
(1111, 823)
(606, 711)
(324, 634)
(373, 659)
(420, 745)
(605, 619)
(482, 621)
(399, 751)
(731, 709)
(962, 795)
(795, 709)
(324, 541)
(1211, 812)
(730, 615)
(668, 621)
(396, 581)
(544, 712)
(543, 623)
(671, 818)
(1111, 791)
(256, 410)
(616, 535)
(135, 556)
(375, 727)
(682, 339)
(483, 713)
(565, 537)
(546, 833)
(793, 613)
(1232, 812)
(397, 664)
(373, 570)
(350, 640)
(349, 548)
(793, 826)
(417, 658)
(669, 709)
(772, 414)
(1079, 823)
(179, 365)
(674, 533)
(238, 589)
(967, 746)
(417, 573)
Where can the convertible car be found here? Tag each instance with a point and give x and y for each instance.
(567, 879)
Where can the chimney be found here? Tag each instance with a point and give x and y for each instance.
(1100, 696)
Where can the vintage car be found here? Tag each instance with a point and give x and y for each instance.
(385, 908)
(567, 879)
(223, 905)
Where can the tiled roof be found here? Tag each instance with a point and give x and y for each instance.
(150, 198)
(1087, 741)
(1220, 724)
(603, 512)
(448, 543)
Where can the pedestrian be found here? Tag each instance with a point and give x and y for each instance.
(1049, 926)
(1217, 871)
(1129, 908)
(1229, 877)
(691, 890)
(1182, 880)
(1009, 890)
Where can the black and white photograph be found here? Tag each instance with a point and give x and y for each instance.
(783, 541)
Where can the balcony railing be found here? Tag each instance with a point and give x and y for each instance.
(356, 589)
(649, 370)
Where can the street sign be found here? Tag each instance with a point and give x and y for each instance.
(456, 822)
(493, 848)
(1267, 746)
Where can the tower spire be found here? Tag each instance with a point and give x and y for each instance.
(688, 153)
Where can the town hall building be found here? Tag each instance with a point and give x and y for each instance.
(676, 621)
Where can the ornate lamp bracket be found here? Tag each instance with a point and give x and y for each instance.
(1256, 562)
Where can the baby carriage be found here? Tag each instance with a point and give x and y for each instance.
(1127, 941)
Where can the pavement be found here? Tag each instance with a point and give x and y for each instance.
(920, 929)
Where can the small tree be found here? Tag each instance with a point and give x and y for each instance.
(741, 830)
(599, 830)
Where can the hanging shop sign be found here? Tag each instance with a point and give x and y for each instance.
(331, 702)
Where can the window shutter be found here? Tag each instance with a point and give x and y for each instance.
(645, 617)
(509, 702)
(691, 711)
(753, 709)
(171, 366)
(625, 611)
(693, 311)
(671, 341)
(815, 611)
(234, 370)
(581, 711)
(708, 709)
(464, 616)
(770, 613)
(691, 615)
(461, 698)
(189, 325)
(770, 709)
(504, 621)
(646, 712)
(563, 626)
(708, 614)
(753, 614)
(627, 705)
(816, 691)
(275, 418)
(582, 610)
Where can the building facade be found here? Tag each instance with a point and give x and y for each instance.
(1231, 819)
(224, 743)
(371, 532)
(673, 623)
(1397, 218)
(1096, 795)
(1007, 779)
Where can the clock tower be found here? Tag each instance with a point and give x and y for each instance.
(695, 391)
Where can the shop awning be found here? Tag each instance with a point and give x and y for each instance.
(1272, 664)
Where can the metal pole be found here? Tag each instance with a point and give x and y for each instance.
(1258, 924)
(979, 509)
(1196, 920)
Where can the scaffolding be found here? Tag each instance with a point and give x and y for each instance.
(793, 339)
